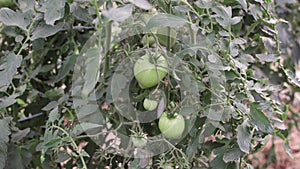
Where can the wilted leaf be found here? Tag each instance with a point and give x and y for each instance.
(12, 18)
(118, 14)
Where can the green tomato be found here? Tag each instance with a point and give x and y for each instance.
(139, 141)
(173, 127)
(148, 40)
(150, 104)
(148, 74)
(6, 3)
(163, 35)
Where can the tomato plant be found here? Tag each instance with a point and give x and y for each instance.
(78, 76)
(171, 126)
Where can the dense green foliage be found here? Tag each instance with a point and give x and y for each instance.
(69, 94)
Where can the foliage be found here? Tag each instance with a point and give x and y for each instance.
(62, 65)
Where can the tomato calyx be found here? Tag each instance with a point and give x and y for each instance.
(139, 139)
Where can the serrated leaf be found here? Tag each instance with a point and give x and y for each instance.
(118, 14)
(44, 31)
(8, 67)
(259, 119)
(232, 154)
(53, 11)
(165, 20)
(144, 4)
(243, 137)
(12, 18)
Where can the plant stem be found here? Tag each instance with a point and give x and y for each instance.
(74, 143)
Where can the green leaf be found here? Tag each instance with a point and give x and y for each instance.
(53, 10)
(67, 66)
(5, 131)
(259, 119)
(118, 14)
(80, 12)
(8, 67)
(3, 153)
(14, 158)
(244, 137)
(82, 127)
(44, 31)
(218, 162)
(243, 4)
(8, 101)
(144, 4)
(165, 20)
(232, 154)
(17, 136)
(292, 77)
(12, 18)
(92, 70)
(223, 15)
(4, 138)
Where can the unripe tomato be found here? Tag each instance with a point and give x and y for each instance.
(171, 127)
(150, 104)
(6, 3)
(148, 40)
(149, 74)
(163, 35)
(138, 141)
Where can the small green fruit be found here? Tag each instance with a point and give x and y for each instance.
(163, 36)
(150, 104)
(139, 141)
(148, 40)
(171, 127)
(149, 74)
